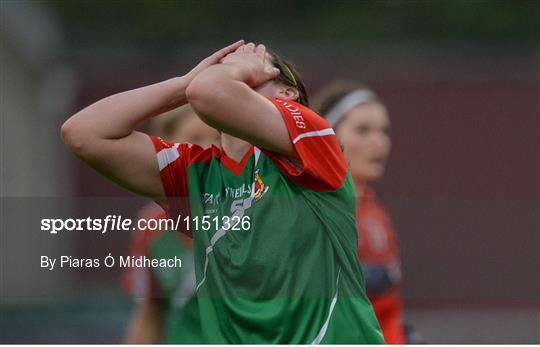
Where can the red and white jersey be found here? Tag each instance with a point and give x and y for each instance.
(378, 246)
(377, 240)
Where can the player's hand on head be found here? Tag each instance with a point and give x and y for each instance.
(255, 60)
(213, 59)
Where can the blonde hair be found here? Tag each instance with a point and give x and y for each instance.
(166, 124)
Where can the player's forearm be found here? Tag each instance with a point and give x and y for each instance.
(118, 115)
(220, 73)
(217, 89)
(223, 98)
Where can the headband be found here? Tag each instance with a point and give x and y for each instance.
(347, 103)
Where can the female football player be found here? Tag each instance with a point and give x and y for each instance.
(271, 212)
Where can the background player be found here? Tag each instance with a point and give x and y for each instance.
(163, 311)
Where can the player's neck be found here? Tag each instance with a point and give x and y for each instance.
(234, 147)
(359, 186)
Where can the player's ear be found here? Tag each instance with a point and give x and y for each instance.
(288, 93)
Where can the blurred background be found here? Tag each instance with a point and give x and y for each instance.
(461, 82)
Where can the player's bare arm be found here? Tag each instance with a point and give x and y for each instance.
(103, 134)
(227, 97)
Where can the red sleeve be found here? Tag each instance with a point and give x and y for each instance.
(323, 166)
(172, 165)
(173, 160)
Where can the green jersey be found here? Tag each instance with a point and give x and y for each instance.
(274, 239)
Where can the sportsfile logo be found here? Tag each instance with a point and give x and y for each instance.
(295, 113)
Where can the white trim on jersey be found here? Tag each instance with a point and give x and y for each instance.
(257, 153)
(324, 132)
(220, 233)
(167, 156)
(322, 332)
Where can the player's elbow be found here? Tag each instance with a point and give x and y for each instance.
(204, 96)
(199, 92)
(68, 131)
(74, 137)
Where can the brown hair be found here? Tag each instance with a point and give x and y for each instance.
(289, 77)
(328, 96)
